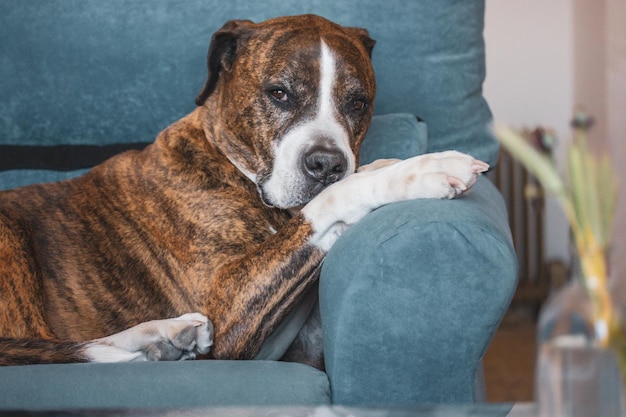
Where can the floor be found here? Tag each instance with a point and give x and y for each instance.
(510, 361)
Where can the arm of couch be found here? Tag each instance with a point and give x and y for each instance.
(411, 297)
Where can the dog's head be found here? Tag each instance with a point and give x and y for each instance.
(294, 98)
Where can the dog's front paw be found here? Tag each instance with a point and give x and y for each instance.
(437, 175)
(441, 175)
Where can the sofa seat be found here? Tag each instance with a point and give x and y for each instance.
(190, 384)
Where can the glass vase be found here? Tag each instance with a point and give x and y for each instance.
(575, 376)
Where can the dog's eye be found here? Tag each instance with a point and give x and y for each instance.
(280, 95)
(359, 105)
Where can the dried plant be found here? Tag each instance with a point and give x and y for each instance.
(587, 192)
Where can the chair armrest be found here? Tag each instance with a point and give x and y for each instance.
(411, 297)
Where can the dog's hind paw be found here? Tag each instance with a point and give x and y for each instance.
(179, 338)
(190, 334)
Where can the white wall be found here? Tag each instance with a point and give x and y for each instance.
(530, 78)
(616, 124)
(590, 55)
(544, 57)
(529, 62)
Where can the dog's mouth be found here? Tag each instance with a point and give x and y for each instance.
(292, 200)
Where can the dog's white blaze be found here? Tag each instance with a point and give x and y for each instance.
(327, 79)
(287, 176)
(327, 115)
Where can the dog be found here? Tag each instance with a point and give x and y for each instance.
(203, 242)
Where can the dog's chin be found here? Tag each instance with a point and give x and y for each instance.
(292, 201)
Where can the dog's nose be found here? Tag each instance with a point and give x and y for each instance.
(324, 165)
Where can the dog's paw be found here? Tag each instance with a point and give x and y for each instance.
(438, 175)
(181, 338)
(178, 338)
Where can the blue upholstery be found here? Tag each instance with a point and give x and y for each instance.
(91, 71)
(427, 281)
(394, 135)
(410, 296)
(162, 385)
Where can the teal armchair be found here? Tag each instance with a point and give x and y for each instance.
(410, 297)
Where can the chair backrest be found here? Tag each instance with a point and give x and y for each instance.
(115, 71)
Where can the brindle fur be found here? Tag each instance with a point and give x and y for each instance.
(176, 228)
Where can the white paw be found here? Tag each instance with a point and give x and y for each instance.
(178, 338)
(436, 175)
(198, 341)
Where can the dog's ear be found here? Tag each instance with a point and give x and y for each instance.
(222, 53)
(364, 36)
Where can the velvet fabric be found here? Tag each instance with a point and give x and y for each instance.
(96, 72)
(397, 135)
(429, 280)
(161, 385)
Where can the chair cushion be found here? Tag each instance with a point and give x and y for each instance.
(161, 385)
(101, 72)
(396, 135)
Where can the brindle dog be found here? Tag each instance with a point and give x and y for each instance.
(227, 214)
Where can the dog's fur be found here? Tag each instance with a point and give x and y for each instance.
(227, 214)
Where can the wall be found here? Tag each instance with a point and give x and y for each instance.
(530, 76)
(616, 122)
(600, 83)
(544, 57)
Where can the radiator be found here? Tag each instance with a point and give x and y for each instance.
(524, 199)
